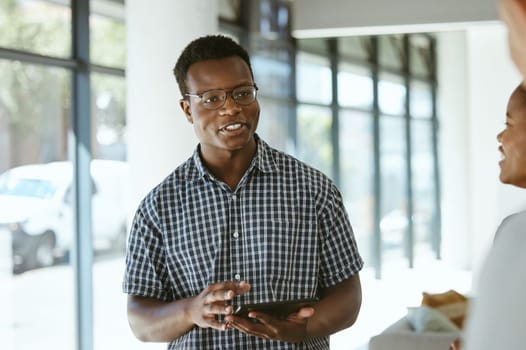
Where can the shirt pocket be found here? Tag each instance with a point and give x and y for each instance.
(291, 260)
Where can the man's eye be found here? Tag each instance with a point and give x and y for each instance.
(211, 98)
(243, 93)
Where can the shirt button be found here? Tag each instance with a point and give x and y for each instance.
(234, 197)
(237, 276)
(235, 234)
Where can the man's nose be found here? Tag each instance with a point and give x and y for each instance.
(230, 103)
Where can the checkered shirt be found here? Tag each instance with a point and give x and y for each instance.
(284, 230)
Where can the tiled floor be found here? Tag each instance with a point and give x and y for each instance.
(386, 300)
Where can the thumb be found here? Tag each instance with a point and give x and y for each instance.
(305, 312)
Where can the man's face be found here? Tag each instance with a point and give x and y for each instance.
(231, 127)
(513, 142)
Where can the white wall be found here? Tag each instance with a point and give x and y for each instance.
(453, 140)
(159, 137)
(314, 18)
(491, 79)
(476, 77)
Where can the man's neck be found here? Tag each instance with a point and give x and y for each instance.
(229, 166)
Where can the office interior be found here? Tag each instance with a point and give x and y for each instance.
(399, 103)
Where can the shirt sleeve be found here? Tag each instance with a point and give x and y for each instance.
(340, 258)
(145, 272)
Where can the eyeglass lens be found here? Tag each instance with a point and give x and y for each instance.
(243, 96)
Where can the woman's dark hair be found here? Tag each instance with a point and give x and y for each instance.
(207, 48)
(522, 91)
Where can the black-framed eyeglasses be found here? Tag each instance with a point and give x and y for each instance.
(214, 99)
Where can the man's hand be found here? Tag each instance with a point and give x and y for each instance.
(159, 321)
(293, 329)
(212, 301)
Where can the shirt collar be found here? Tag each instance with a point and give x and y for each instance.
(263, 161)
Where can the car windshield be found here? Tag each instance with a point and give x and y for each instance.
(36, 188)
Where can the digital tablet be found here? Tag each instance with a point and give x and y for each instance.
(277, 309)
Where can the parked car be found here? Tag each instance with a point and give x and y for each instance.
(35, 206)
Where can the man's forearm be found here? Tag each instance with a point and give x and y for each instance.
(157, 321)
(337, 309)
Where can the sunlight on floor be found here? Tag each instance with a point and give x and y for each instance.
(386, 300)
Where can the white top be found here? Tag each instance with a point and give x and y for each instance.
(497, 317)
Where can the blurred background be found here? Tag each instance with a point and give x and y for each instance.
(399, 103)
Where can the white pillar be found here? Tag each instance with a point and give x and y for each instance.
(453, 142)
(159, 137)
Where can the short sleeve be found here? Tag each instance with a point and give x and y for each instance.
(340, 258)
(145, 272)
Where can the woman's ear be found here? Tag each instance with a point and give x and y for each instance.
(185, 106)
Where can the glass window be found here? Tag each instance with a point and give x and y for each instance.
(314, 138)
(274, 122)
(108, 35)
(109, 109)
(273, 18)
(393, 206)
(33, 132)
(357, 175)
(420, 51)
(313, 82)
(313, 46)
(110, 211)
(36, 217)
(423, 186)
(421, 100)
(272, 67)
(272, 76)
(390, 51)
(391, 94)
(354, 47)
(43, 27)
(355, 87)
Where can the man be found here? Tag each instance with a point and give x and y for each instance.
(238, 223)
(497, 318)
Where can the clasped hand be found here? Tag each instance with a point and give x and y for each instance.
(213, 301)
(293, 329)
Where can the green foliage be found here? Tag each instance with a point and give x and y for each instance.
(36, 26)
(113, 90)
(34, 99)
(107, 41)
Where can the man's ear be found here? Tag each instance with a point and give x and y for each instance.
(185, 106)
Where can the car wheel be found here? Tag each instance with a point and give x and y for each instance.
(43, 252)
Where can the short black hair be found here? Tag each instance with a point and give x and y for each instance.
(208, 47)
